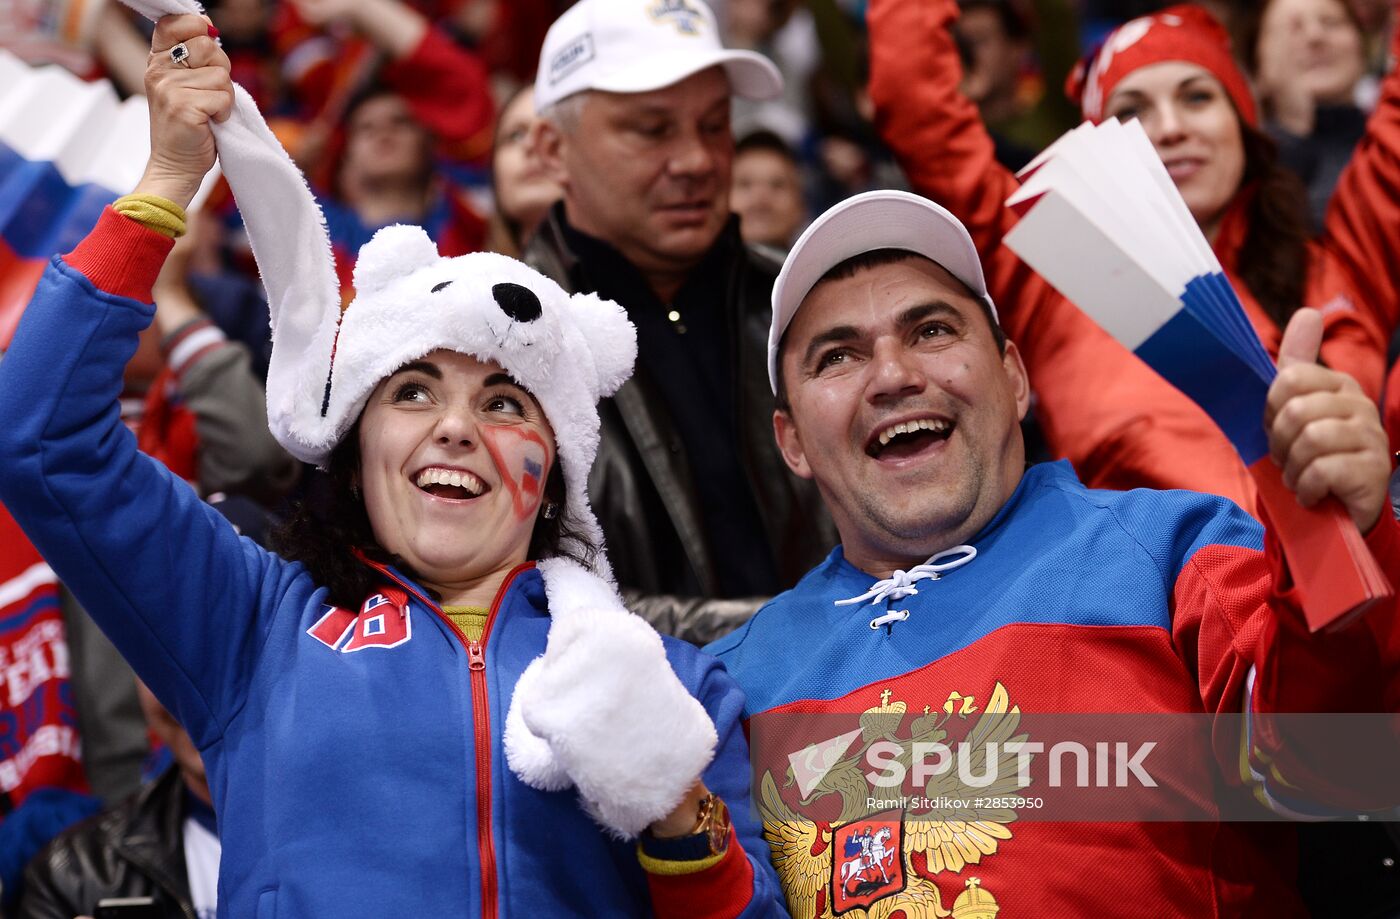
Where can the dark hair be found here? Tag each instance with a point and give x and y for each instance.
(865, 261)
(1273, 261)
(330, 523)
(374, 89)
(1013, 23)
(368, 92)
(767, 141)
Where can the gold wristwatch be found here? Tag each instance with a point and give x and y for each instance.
(708, 838)
(713, 821)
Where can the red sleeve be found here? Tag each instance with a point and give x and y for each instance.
(1339, 671)
(120, 256)
(1237, 621)
(1390, 407)
(1384, 543)
(1362, 225)
(1116, 420)
(1354, 344)
(724, 889)
(935, 131)
(449, 91)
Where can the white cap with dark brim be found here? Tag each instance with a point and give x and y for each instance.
(863, 223)
(636, 46)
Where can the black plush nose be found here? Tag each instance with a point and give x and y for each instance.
(519, 303)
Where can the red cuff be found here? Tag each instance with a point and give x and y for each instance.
(722, 890)
(120, 256)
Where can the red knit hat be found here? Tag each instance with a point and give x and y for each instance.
(1178, 33)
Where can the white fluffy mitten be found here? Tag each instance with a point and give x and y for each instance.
(528, 755)
(603, 709)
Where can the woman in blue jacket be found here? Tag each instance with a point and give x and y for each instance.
(411, 718)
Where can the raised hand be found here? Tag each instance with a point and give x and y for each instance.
(323, 12)
(1323, 430)
(183, 99)
(392, 26)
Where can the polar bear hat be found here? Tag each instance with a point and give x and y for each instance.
(567, 351)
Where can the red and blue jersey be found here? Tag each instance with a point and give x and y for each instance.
(1077, 601)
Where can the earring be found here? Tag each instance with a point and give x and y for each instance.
(551, 510)
(355, 491)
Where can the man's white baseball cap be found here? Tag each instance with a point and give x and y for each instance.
(635, 46)
(864, 223)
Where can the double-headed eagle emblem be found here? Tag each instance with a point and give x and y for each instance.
(883, 859)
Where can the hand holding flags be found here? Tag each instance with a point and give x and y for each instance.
(1103, 222)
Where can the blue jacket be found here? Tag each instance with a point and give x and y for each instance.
(351, 777)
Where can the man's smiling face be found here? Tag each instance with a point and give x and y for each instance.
(903, 409)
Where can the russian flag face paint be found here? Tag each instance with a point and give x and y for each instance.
(522, 458)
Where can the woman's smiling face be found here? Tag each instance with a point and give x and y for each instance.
(1191, 122)
(454, 457)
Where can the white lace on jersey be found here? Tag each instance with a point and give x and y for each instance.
(901, 584)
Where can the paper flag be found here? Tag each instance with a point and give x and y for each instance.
(1103, 222)
(68, 148)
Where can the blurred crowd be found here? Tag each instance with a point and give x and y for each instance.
(419, 111)
(422, 111)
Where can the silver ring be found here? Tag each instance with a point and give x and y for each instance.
(180, 55)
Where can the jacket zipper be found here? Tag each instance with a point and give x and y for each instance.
(481, 720)
(481, 730)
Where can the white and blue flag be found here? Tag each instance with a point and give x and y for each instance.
(1104, 224)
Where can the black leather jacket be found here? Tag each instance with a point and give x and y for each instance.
(641, 485)
(136, 849)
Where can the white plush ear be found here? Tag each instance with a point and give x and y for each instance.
(610, 338)
(293, 251)
(393, 252)
(569, 587)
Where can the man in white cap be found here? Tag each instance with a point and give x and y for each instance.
(981, 592)
(700, 514)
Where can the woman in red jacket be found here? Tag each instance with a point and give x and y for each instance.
(1120, 423)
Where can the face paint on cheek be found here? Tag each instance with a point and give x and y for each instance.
(521, 457)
